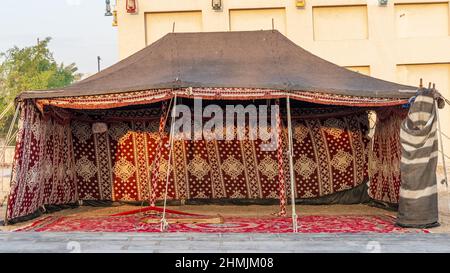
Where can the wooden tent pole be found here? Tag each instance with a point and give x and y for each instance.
(291, 166)
(3, 154)
(164, 223)
(440, 141)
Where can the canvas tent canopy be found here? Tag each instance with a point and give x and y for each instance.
(218, 65)
(61, 160)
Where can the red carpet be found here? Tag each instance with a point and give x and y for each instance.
(307, 224)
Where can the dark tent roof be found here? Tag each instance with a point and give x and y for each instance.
(249, 59)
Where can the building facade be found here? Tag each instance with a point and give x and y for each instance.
(400, 41)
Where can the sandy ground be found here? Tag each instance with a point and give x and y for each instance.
(231, 210)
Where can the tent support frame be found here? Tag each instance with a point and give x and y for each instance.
(441, 145)
(3, 155)
(164, 223)
(291, 166)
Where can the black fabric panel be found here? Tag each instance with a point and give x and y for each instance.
(25, 218)
(418, 212)
(357, 195)
(100, 203)
(241, 59)
(42, 211)
(55, 208)
(383, 205)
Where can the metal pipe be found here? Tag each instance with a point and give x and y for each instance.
(291, 166)
(164, 223)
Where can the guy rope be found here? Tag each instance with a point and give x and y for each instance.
(164, 223)
(9, 137)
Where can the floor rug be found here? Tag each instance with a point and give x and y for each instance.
(307, 224)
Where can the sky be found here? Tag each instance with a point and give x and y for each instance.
(80, 32)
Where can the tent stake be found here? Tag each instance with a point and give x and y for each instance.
(164, 223)
(291, 166)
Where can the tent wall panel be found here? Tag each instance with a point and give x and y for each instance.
(43, 171)
(330, 156)
(59, 163)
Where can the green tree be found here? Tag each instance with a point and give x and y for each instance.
(30, 68)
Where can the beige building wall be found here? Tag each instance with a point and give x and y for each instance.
(403, 41)
(159, 24)
(438, 73)
(365, 69)
(340, 23)
(251, 19)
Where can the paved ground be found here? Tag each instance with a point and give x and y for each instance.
(221, 243)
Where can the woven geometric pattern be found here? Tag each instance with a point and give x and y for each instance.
(118, 164)
(307, 224)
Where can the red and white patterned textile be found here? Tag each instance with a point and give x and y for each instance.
(280, 158)
(58, 162)
(385, 158)
(44, 167)
(151, 96)
(330, 156)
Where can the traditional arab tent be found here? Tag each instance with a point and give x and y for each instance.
(106, 137)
